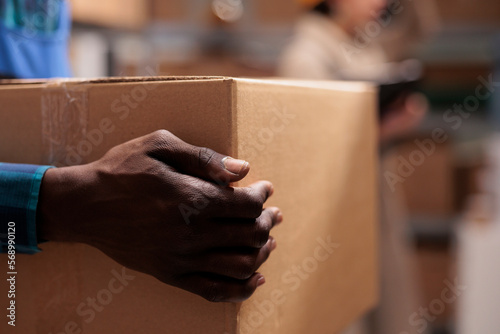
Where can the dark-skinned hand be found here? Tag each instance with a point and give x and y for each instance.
(163, 207)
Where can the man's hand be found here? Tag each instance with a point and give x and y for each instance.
(163, 207)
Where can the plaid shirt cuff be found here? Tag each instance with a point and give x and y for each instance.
(19, 191)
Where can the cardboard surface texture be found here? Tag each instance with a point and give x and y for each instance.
(316, 141)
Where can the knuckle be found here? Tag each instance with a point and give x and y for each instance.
(261, 235)
(247, 291)
(159, 140)
(161, 134)
(265, 221)
(247, 268)
(212, 292)
(205, 156)
(255, 203)
(266, 253)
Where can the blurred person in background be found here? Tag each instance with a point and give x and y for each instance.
(369, 40)
(104, 203)
(341, 40)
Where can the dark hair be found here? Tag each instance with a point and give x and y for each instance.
(323, 8)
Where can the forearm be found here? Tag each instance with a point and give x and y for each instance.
(63, 207)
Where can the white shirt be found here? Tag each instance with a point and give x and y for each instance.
(321, 50)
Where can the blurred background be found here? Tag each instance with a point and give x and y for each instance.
(447, 204)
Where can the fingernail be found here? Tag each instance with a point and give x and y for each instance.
(261, 281)
(235, 166)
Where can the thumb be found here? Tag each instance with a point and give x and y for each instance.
(197, 161)
(212, 166)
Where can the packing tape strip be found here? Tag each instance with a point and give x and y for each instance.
(65, 117)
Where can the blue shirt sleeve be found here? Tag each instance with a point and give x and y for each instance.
(19, 191)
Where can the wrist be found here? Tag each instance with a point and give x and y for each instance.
(56, 218)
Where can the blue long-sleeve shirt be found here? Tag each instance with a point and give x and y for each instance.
(19, 191)
(34, 38)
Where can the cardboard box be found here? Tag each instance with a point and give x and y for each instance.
(316, 141)
(128, 14)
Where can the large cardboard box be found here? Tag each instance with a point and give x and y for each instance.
(316, 141)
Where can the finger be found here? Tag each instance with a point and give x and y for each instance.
(197, 161)
(238, 202)
(219, 288)
(228, 233)
(237, 264)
